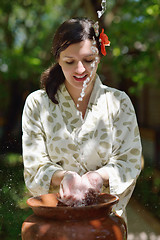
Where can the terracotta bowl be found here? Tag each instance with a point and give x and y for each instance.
(48, 206)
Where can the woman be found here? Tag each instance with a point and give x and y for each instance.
(79, 152)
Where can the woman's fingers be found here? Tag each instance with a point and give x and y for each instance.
(93, 180)
(74, 189)
(70, 184)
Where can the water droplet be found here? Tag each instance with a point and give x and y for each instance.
(103, 5)
(82, 94)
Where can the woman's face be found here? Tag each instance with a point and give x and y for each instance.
(77, 61)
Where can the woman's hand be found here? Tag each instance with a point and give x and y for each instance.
(92, 180)
(70, 188)
(74, 189)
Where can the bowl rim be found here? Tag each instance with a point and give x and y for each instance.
(112, 201)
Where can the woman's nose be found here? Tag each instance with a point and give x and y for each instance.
(80, 68)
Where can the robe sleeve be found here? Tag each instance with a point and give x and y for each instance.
(38, 167)
(124, 164)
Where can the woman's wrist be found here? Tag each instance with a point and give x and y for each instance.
(57, 177)
(104, 175)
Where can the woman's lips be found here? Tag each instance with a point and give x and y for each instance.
(80, 78)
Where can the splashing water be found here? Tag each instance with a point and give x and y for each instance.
(103, 5)
(93, 64)
(95, 51)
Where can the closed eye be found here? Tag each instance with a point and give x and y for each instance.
(89, 61)
(69, 62)
(85, 60)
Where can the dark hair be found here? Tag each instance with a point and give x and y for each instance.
(71, 31)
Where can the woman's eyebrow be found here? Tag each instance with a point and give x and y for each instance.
(68, 57)
(86, 55)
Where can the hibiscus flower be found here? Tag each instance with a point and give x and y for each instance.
(104, 42)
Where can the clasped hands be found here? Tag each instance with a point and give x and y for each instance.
(75, 190)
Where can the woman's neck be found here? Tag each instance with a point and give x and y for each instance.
(75, 94)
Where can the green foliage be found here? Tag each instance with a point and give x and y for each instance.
(26, 31)
(12, 159)
(147, 190)
(135, 42)
(14, 194)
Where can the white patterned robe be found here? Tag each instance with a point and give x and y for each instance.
(56, 138)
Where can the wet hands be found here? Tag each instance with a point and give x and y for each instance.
(78, 191)
(70, 188)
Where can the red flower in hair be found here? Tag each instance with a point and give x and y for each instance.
(104, 42)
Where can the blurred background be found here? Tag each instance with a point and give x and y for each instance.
(132, 64)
